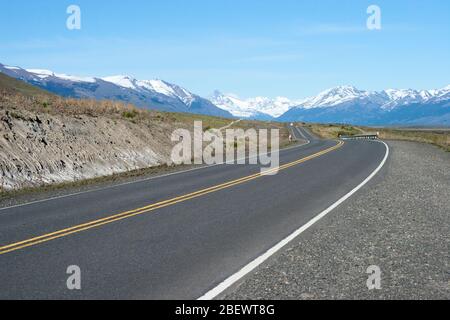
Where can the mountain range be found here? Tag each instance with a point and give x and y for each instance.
(343, 104)
(150, 94)
(259, 108)
(347, 104)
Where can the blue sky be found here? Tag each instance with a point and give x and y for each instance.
(271, 48)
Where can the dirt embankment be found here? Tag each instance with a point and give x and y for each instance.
(49, 140)
(46, 139)
(41, 148)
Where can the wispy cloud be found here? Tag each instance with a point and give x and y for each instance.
(334, 29)
(272, 58)
(346, 29)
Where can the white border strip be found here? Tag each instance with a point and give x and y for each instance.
(210, 295)
(302, 133)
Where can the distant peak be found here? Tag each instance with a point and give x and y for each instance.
(10, 67)
(118, 77)
(41, 72)
(349, 87)
(343, 89)
(217, 93)
(121, 81)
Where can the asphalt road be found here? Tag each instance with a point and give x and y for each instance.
(192, 229)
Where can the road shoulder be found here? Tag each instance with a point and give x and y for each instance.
(399, 222)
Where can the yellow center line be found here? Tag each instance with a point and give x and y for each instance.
(128, 214)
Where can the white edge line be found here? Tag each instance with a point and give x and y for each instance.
(210, 295)
(139, 181)
(301, 133)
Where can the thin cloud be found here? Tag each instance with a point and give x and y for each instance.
(272, 58)
(324, 29)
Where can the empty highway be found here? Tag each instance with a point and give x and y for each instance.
(177, 236)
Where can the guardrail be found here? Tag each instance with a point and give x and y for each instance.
(360, 137)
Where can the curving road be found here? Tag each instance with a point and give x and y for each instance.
(177, 236)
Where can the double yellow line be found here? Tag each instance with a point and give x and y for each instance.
(128, 214)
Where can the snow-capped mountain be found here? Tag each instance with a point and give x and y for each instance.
(43, 74)
(158, 86)
(343, 104)
(347, 104)
(388, 99)
(333, 97)
(403, 97)
(151, 94)
(259, 108)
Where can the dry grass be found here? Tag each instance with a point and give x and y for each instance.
(332, 131)
(15, 104)
(440, 138)
(17, 96)
(61, 106)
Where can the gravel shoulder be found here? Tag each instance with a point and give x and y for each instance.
(399, 222)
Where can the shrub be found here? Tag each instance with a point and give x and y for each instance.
(130, 114)
(16, 115)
